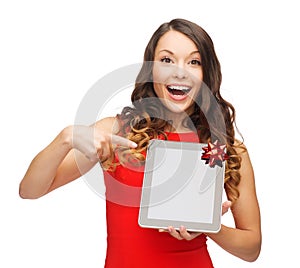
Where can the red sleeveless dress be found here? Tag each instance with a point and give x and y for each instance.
(131, 246)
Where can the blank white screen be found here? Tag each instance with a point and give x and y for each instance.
(194, 200)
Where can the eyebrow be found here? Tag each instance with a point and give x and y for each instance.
(172, 53)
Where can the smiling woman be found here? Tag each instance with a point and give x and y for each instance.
(176, 97)
(178, 69)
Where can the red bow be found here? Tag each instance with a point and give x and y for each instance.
(214, 154)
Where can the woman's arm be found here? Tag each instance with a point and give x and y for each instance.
(74, 151)
(43, 169)
(244, 241)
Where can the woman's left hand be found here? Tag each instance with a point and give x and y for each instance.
(183, 234)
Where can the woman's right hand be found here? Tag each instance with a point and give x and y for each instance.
(97, 144)
(58, 164)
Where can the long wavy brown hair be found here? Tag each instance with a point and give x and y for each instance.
(212, 117)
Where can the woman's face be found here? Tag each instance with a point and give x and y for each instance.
(177, 71)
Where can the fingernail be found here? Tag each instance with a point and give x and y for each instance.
(133, 145)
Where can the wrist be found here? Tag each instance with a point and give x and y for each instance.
(218, 233)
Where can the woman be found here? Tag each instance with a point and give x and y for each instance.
(176, 97)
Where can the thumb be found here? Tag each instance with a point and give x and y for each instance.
(225, 207)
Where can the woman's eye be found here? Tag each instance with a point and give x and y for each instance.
(166, 60)
(196, 62)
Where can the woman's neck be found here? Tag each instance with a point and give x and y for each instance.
(177, 122)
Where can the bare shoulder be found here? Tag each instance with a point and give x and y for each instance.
(240, 147)
(108, 124)
(243, 154)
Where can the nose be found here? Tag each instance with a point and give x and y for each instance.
(179, 72)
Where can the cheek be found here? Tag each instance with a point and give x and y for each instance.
(161, 73)
(160, 76)
(197, 75)
(197, 80)
(158, 89)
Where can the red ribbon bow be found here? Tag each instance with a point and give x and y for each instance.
(214, 154)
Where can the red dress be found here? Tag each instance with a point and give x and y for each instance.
(128, 244)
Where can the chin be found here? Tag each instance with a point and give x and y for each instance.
(178, 109)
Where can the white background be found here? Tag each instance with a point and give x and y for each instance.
(52, 52)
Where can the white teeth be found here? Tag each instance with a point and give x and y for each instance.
(182, 88)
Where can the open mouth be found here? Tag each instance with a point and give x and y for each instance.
(178, 90)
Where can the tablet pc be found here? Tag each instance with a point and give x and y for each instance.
(180, 189)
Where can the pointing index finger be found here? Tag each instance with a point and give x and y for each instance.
(118, 140)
